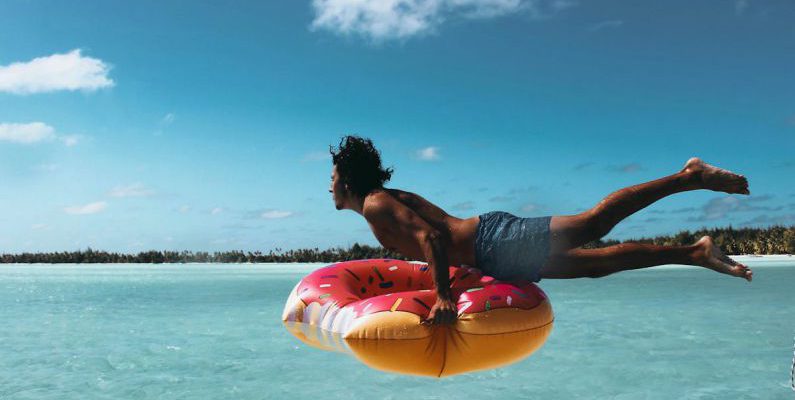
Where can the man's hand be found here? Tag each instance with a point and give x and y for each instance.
(443, 312)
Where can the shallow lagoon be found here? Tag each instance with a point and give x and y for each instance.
(214, 331)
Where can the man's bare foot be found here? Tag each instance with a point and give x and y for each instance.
(710, 256)
(714, 178)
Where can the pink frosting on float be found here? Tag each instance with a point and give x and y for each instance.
(371, 286)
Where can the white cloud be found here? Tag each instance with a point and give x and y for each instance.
(28, 133)
(557, 5)
(34, 132)
(47, 167)
(530, 207)
(133, 190)
(276, 214)
(317, 156)
(216, 211)
(70, 71)
(184, 209)
(399, 19)
(740, 6)
(167, 119)
(428, 153)
(90, 208)
(614, 23)
(70, 140)
(164, 122)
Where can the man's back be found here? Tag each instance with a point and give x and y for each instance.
(458, 234)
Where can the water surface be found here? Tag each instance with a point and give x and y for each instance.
(214, 332)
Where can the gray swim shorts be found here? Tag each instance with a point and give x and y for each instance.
(509, 248)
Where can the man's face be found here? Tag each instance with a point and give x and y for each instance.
(337, 189)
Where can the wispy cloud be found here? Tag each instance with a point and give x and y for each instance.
(46, 167)
(501, 199)
(216, 211)
(69, 71)
(34, 132)
(316, 156)
(241, 226)
(165, 122)
(740, 6)
(720, 207)
(276, 214)
(530, 207)
(133, 190)
(167, 119)
(626, 168)
(27, 133)
(522, 191)
(784, 164)
(766, 219)
(613, 23)
(70, 140)
(90, 208)
(399, 19)
(254, 219)
(582, 166)
(428, 154)
(465, 206)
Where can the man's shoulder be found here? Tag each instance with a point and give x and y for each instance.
(379, 204)
(401, 195)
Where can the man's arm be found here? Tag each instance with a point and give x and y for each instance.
(393, 220)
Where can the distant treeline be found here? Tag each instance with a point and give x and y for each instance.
(355, 252)
(772, 240)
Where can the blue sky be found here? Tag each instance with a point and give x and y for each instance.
(129, 126)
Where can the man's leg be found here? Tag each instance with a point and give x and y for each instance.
(595, 263)
(571, 231)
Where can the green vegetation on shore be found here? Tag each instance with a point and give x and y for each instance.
(771, 240)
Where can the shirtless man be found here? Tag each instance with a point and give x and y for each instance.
(507, 247)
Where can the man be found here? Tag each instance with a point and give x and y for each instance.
(507, 247)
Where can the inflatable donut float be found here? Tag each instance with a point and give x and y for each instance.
(373, 309)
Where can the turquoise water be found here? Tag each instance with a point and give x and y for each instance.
(214, 332)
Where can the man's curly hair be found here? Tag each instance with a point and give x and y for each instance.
(359, 165)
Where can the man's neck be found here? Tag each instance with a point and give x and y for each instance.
(357, 203)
